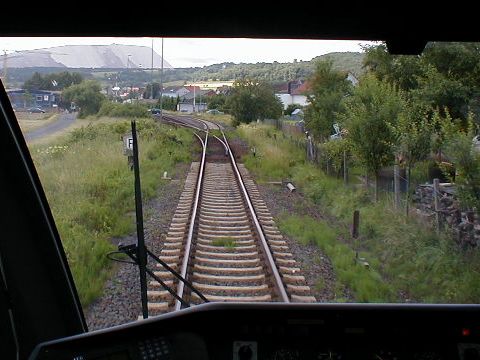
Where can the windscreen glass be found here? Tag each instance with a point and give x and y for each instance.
(267, 170)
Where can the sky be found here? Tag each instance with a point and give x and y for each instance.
(196, 52)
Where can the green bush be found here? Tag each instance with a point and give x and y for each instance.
(111, 109)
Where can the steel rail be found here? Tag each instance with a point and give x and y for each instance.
(266, 249)
(188, 245)
(179, 121)
(278, 283)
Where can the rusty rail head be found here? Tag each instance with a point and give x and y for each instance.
(266, 249)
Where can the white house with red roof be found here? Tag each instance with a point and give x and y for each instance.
(293, 93)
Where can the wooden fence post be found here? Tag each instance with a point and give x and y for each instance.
(396, 185)
(436, 188)
(356, 224)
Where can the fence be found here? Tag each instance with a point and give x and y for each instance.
(314, 153)
(289, 127)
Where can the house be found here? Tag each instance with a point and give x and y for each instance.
(352, 78)
(187, 106)
(174, 91)
(293, 92)
(212, 85)
(22, 99)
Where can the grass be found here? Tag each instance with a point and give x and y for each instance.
(227, 242)
(89, 187)
(367, 284)
(408, 260)
(224, 119)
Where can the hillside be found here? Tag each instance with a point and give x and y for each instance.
(272, 72)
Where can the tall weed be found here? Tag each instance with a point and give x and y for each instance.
(406, 254)
(89, 186)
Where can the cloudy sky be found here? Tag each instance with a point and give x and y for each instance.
(191, 52)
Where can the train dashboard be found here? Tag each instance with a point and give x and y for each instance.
(284, 331)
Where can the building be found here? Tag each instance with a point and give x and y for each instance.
(352, 78)
(188, 107)
(174, 91)
(212, 85)
(22, 99)
(293, 92)
(186, 103)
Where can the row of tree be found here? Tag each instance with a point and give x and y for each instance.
(54, 81)
(404, 110)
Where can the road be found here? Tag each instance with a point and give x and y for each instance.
(64, 120)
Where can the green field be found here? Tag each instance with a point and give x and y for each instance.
(89, 187)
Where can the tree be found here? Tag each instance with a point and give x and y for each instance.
(55, 81)
(439, 91)
(378, 60)
(371, 113)
(148, 91)
(326, 93)
(251, 100)
(458, 61)
(216, 102)
(36, 82)
(466, 158)
(413, 132)
(446, 75)
(168, 103)
(86, 96)
(402, 70)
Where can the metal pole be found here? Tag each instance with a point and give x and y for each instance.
(194, 95)
(151, 76)
(141, 251)
(161, 86)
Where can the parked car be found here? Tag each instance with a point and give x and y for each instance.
(35, 110)
(214, 112)
(155, 111)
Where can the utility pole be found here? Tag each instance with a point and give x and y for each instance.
(194, 95)
(131, 84)
(5, 76)
(161, 86)
(151, 76)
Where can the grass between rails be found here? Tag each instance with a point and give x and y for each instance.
(89, 187)
(408, 261)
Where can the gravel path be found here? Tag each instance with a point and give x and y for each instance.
(121, 300)
(64, 120)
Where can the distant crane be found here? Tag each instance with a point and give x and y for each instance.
(5, 75)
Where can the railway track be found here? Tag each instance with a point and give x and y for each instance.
(222, 238)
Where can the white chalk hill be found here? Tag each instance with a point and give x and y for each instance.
(113, 56)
